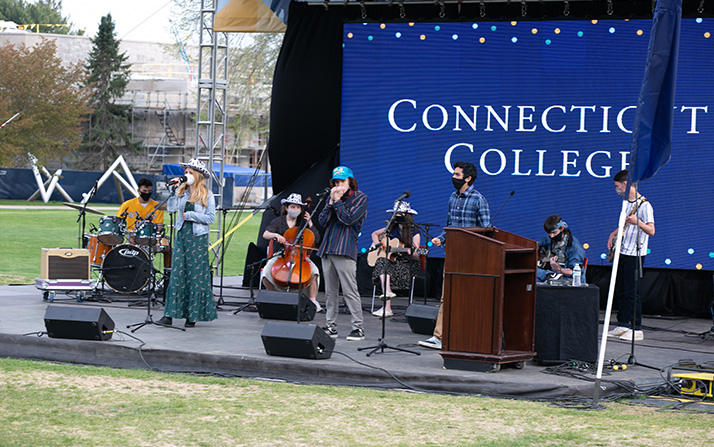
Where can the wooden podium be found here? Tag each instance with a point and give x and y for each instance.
(489, 299)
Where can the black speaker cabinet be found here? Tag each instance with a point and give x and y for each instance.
(422, 318)
(284, 305)
(304, 341)
(81, 323)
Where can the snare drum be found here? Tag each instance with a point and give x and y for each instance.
(97, 249)
(111, 230)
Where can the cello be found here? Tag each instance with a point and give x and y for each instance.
(291, 269)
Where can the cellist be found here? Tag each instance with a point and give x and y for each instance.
(292, 214)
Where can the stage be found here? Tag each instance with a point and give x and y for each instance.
(232, 345)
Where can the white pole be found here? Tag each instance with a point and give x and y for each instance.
(610, 295)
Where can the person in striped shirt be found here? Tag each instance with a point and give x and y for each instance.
(639, 226)
(342, 218)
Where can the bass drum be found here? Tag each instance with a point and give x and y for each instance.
(126, 269)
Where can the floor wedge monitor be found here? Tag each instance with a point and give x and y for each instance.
(80, 323)
(284, 305)
(305, 341)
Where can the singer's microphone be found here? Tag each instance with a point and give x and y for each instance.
(324, 192)
(499, 210)
(405, 195)
(179, 179)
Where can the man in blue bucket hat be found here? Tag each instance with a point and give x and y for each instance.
(343, 217)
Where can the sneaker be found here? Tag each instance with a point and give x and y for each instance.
(318, 308)
(617, 331)
(388, 295)
(380, 312)
(166, 321)
(356, 335)
(433, 343)
(331, 331)
(627, 336)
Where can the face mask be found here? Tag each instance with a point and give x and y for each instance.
(145, 196)
(190, 180)
(294, 213)
(458, 183)
(558, 238)
(620, 193)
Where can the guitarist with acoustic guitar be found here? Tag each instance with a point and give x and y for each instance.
(639, 226)
(403, 239)
(559, 250)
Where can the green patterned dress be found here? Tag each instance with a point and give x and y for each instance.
(190, 294)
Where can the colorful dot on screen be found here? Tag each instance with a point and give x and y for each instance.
(586, 245)
(514, 39)
(493, 28)
(514, 23)
(382, 26)
(359, 234)
(556, 31)
(350, 35)
(711, 254)
(707, 35)
(455, 36)
(482, 40)
(612, 30)
(698, 266)
(370, 38)
(603, 256)
(474, 26)
(398, 35)
(690, 251)
(594, 22)
(534, 31)
(699, 20)
(422, 37)
(547, 41)
(437, 28)
(649, 251)
(429, 244)
(667, 261)
(580, 34)
(411, 23)
(364, 250)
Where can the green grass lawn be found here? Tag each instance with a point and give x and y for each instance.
(63, 405)
(26, 231)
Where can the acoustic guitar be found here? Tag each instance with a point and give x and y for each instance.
(395, 247)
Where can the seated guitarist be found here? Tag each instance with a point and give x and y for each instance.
(401, 234)
(559, 250)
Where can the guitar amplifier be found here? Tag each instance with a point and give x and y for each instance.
(65, 263)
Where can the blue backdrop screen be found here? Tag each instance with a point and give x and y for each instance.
(544, 109)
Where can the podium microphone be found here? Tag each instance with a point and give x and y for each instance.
(499, 210)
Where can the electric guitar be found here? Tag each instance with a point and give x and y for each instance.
(611, 253)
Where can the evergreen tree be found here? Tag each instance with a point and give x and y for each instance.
(108, 77)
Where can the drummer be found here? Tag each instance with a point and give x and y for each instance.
(139, 208)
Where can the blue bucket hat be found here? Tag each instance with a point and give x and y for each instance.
(341, 173)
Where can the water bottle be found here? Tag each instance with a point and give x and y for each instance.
(576, 276)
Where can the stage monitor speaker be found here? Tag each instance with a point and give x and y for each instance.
(304, 341)
(283, 306)
(64, 263)
(81, 323)
(422, 318)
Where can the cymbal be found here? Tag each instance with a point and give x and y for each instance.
(79, 206)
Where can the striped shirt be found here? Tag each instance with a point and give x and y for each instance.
(467, 209)
(343, 221)
(629, 240)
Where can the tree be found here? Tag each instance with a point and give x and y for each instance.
(108, 77)
(51, 100)
(47, 14)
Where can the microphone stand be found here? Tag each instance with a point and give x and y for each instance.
(382, 342)
(83, 213)
(425, 228)
(301, 247)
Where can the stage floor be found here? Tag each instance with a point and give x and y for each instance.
(232, 345)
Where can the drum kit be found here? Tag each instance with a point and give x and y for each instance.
(125, 267)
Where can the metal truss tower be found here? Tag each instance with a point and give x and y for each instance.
(212, 106)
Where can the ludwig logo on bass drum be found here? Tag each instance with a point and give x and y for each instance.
(129, 252)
